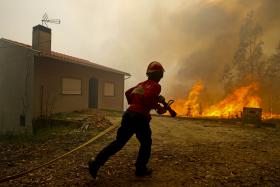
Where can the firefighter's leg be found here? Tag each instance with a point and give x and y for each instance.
(124, 133)
(143, 134)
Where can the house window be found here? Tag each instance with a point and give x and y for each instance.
(109, 89)
(71, 86)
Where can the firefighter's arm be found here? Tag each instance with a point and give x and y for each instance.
(127, 94)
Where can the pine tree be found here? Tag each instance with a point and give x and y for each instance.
(247, 62)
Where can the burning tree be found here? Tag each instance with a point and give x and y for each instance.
(250, 81)
(247, 61)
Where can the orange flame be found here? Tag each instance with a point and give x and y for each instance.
(233, 104)
(189, 106)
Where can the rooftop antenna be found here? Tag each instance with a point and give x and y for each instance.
(45, 20)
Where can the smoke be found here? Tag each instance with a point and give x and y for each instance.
(193, 39)
(268, 16)
(213, 29)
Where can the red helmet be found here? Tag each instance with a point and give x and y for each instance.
(154, 66)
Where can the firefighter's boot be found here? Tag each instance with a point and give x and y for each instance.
(142, 172)
(93, 168)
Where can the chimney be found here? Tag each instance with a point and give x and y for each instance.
(42, 38)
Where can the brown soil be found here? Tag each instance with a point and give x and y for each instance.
(184, 153)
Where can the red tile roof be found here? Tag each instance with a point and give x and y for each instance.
(68, 58)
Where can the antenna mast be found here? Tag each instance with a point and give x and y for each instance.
(45, 20)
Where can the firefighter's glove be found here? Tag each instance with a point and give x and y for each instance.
(161, 110)
(161, 99)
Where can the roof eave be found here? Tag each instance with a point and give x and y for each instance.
(50, 55)
(92, 65)
(19, 45)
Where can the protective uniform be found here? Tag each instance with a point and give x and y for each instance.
(144, 97)
(141, 99)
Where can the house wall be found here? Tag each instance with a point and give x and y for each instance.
(16, 81)
(48, 97)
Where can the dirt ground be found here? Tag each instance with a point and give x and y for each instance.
(184, 153)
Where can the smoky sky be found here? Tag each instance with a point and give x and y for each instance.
(215, 28)
(193, 39)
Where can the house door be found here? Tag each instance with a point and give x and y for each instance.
(93, 93)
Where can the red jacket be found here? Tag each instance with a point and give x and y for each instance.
(143, 97)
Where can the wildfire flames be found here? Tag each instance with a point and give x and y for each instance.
(190, 106)
(231, 106)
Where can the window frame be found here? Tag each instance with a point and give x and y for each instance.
(71, 78)
(114, 89)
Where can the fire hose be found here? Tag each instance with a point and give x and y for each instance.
(12, 177)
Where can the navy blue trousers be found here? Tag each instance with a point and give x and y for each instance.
(132, 122)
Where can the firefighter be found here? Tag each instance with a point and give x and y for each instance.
(141, 99)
